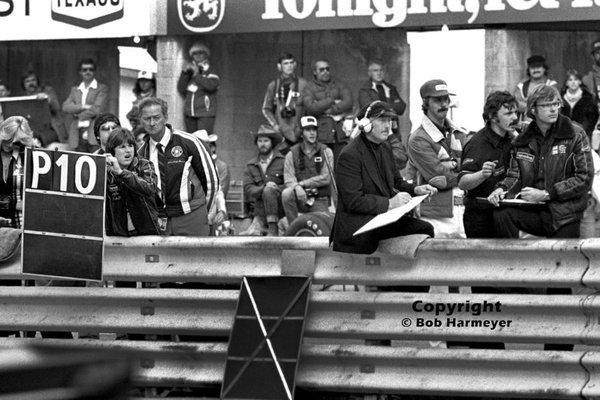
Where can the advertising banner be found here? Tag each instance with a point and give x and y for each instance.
(74, 19)
(63, 214)
(230, 16)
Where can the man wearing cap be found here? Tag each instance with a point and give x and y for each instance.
(434, 152)
(537, 74)
(282, 105)
(199, 84)
(263, 178)
(368, 185)
(330, 101)
(307, 173)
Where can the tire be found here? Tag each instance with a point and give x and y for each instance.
(312, 224)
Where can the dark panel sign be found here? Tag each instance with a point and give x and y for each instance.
(265, 341)
(231, 16)
(63, 214)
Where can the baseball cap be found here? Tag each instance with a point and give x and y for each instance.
(596, 46)
(145, 75)
(308, 120)
(435, 88)
(536, 60)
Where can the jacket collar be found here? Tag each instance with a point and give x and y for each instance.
(435, 133)
(561, 129)
(256, 161)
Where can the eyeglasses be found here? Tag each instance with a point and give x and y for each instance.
(88, 69)
(323, 69)
(549, 106)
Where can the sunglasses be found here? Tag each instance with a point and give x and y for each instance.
(108, 127)
(323, 69)
(88, 69)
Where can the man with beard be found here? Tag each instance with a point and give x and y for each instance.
(32, 87)
(434, 151)
(485, 159)
(330, 101)
(263, 179)
(537, 74)
(186, 176)
(307, 173)
(282, 105)
(551, 167)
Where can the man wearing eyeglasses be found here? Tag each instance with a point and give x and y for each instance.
(330, 101)
(85, 102)
(551, 170)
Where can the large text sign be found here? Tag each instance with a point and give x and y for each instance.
(63, 217)
(228, 16)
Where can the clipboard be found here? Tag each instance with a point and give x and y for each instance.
(391, 216)
(513, 202)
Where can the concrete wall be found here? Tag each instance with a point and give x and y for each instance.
(247, 63)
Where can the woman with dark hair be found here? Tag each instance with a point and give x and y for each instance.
(131, 192)
(578, 102)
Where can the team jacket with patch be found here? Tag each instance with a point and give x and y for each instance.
(567, 165)
(191, 177)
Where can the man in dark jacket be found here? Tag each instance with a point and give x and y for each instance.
(376, 88)
(330, 101)
(199, 84)
(263, 178)
(551, 167)
(369, 185)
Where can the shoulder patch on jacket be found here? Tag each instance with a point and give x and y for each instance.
(521, 155)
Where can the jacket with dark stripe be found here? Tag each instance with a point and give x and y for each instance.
(191, 177)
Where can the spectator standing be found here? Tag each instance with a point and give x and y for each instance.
(4, 92)
(282, 105)
(263, 179)
(85, 102)
(368, 185)
(434, 151)
(578, 102)
(537, 74)
(103, 126)
(551, 164)
(199, 83)
(145, 87)
(330, 101)
(376, 88)
(131, 191)
(485, 159)
(592, 79)
(186, 176)
(32, 86)
(307, 173)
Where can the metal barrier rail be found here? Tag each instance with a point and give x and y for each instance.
(371, 369)
(515, 263)
(335, 315)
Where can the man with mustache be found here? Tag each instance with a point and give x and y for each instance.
(263, 179)
(551, 167)
(32, 87)
(434, 152)
(485, 158)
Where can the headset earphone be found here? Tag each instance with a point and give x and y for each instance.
(365, 124)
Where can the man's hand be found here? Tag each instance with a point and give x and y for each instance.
(399, 200)
(219, 218)
(41, 96)
(300, 193)
(426, 189)
(495, 197)
(488, 168)
(533, 195)
(113, 165)
(271, 184)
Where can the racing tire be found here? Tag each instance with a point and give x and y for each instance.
(317, 223)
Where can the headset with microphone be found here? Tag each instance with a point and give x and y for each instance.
(364, 124)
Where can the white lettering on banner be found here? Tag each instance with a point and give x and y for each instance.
(391, 13)
(39, 169)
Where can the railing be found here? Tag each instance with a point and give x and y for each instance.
(334, 356)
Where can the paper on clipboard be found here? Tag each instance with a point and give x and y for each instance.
(391, 216)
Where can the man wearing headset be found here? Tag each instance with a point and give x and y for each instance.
(368, 185)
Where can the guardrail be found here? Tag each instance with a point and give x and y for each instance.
(334, 357)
